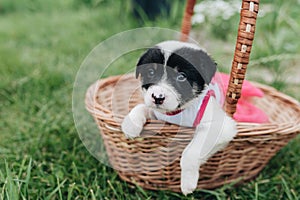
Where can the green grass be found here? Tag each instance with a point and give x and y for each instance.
(43, 43)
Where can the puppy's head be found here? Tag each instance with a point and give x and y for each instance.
(173, 74)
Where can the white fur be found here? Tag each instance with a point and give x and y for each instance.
(171, 98)
(133, 123)
(170, 46)
(214, 132)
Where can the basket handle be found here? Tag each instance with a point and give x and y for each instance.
(187, 20)
(242, 52)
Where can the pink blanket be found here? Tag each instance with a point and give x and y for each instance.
(246, 111)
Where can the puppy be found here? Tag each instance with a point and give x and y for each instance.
(179, 86)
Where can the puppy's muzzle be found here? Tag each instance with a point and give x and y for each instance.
(158, 98)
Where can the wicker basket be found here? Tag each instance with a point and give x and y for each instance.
(152, 161)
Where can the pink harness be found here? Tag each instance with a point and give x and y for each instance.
(203, 107)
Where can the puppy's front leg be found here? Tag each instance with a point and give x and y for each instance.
(191, 160)
(212, 134)
(133, 123)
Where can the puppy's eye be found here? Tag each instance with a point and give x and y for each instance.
(181, 77)
(151, 73)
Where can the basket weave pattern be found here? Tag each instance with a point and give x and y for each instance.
(152, 161)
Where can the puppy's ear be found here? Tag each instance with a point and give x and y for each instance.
(152, 55)
(200, 60)
(206, 66)
(137, 71)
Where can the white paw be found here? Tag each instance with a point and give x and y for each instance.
(189, 181)
(132, 128)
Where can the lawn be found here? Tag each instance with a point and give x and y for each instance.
(43, 44)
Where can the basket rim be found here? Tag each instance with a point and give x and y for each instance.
(95, 108)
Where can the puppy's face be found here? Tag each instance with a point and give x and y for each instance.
(173, 74)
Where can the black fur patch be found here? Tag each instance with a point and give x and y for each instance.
(201, 61)
(150, 62)
(196, 65)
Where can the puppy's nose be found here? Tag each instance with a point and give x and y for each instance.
(158, 99)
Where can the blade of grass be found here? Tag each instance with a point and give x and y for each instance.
(57, 189)
(28, 174)
(142, 191)
(12, 191)
(113, 189)
(22, 167)
(70, 191)
(256, 191)
(216, 194)
(2, 181)
(287, 189)
(93, 195)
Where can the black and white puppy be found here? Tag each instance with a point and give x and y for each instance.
(179, 86)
